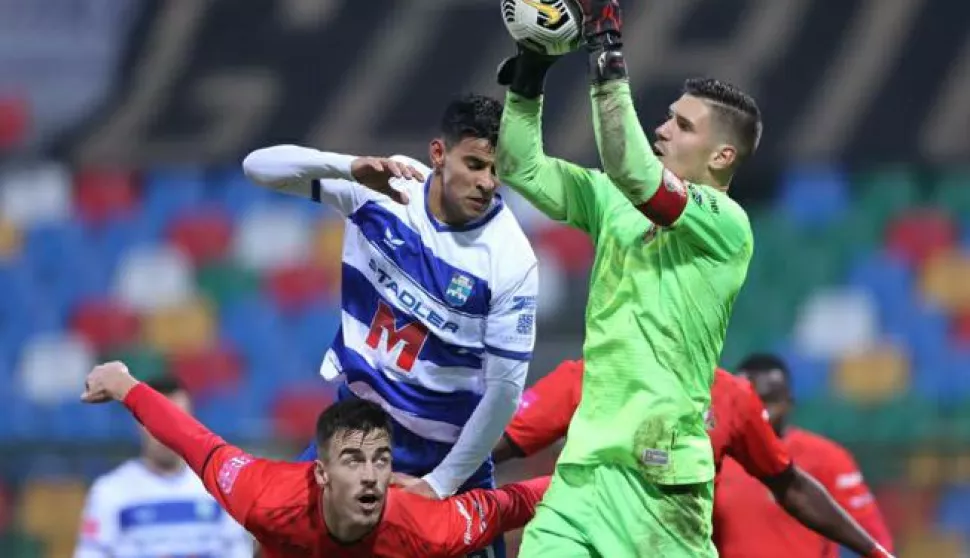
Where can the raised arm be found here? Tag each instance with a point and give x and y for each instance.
(342, 181)
(471, 521)
(563, 191)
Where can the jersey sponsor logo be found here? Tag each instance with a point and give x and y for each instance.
(411, 302)
(405, 342)
(525, 324)
(848, 480)
(655, 458)
(463, 511)
(695, 195)
(90, 527)
(391, 241)
(230, 470)
(523, 303)
(459, 289)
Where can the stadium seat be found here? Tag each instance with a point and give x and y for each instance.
(252, 324)
(925, 469)
(144, 363)
(876, 374)
(106, 324)
(809, 376)
(937, 545)
(208, 370)
(14, 121)
(958, 470)
(944, 281)
(51, 511)
(295, 286)
(918, 235)
(204, 236)
(16, 544)
(296, 409)
(52, 367)
(952, 192)
(36, 196)
(906, 507)
(188, 327)
(834, 322)
(272, 236)
(150, 278)
(113, 239)
(886, 192)
(226, 281)
(814, 196)
(53, 249)
(101, 195)
(954, 510)
(11, 239)
(314, 329)
(328, 250)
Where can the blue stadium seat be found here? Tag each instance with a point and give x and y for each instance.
(809, 376)
(315, 328)
(251, 324)
(953, 513)
(118, 237)
(888, 279)
(238, 195)
(170, 191)
(813, 196)
(56, 248)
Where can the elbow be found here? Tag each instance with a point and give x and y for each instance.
(258, 167)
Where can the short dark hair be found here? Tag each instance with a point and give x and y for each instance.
(166, 385)
(734, 110)
(762, 363)
(471, 116)
(350, 415)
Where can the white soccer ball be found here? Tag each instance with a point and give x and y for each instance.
(545, 26)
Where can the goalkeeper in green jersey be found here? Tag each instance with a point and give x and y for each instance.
(672, 251)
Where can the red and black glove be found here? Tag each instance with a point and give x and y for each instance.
(603, 36)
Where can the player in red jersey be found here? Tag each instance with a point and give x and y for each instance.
(339, 506)
(743, 510)
(738, 427)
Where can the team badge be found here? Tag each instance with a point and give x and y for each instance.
(459, 289)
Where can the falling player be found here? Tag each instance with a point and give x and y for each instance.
(339, 506)
(741, 438)
(439, 286)
(740, 510)
(672, 252)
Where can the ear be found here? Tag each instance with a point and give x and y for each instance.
(723, 158)
(320, 473)
(436, 153)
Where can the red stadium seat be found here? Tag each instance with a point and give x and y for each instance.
(296, 409)
(6, 508)
(208, 370)
(572, 248)
(106, 324)
(204, 236)
(293, 287)
(14, 121)
(961, 329)
(917, 236)
(905, 507)
(103, 194)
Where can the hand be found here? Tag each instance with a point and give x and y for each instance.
(599, 17)
(525, 73)
(414, 485)
(107, 382)
(376, 173)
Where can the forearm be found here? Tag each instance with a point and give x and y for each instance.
(172, 427)
(623, 146)
(478, 437)
(808, 502)
(521, 162)
(292, 169)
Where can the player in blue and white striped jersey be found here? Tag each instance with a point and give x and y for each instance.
(439, 287)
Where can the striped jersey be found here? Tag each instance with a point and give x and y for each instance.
(424, 304)
(133, 512)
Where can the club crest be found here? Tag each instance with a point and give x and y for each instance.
(459, 289)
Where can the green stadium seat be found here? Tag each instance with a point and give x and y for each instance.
(225, 282)
(143, 362)
(886, 192)
(952, 192)
(20, 545)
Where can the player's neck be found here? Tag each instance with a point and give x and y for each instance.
(341, 529)
(163, 469)
(436, 201)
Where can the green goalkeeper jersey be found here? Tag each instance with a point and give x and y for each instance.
(659, 303)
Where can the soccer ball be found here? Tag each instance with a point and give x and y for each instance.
(545, 26)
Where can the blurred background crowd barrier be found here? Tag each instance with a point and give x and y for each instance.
(127, 230)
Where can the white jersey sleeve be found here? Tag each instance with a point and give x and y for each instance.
(99, 525)
(301, 171)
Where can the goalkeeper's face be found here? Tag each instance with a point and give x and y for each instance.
(468, 180)
(689, 143)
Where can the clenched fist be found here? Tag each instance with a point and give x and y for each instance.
(108, 382)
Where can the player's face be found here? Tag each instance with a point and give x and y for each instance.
(355, 475)
(153, 450)
(468, 178)
(773, 390)
(686, 141)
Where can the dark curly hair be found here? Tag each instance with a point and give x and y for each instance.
(471, 116)
(735, 111)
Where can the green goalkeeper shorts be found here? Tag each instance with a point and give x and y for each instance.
(613, 512)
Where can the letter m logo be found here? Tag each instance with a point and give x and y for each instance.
(405, 341)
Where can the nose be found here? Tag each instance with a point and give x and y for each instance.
(488, 183)
(663, 131)
(368, 473)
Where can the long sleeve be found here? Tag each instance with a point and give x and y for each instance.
(547, 408)
(561, 190)
(301, 171)
(844, 481)
(470, 521)
(754, 445)
(234, 478)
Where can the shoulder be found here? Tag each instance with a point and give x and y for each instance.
(411, 185)
(110, 487)
(729, 387)
(818, 443)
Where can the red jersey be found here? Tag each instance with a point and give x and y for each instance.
(738, 424)
(751, 525)
(279, 502)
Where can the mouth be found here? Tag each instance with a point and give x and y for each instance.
(479, 203)
(369, 502)
(656, 149)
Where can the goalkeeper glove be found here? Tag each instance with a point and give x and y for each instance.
(602, 33)
(525, 73)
